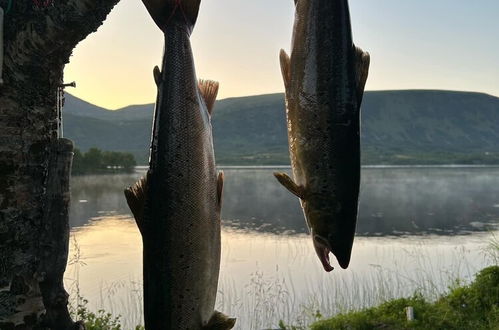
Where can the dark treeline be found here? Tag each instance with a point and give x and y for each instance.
(98, 161)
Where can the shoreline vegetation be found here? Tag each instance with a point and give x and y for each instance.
(469, 302)
(464, 306)
(473, 306)
(370, 157)
(96, 161)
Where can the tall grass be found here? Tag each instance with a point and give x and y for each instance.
(120, 303)
(268, 299)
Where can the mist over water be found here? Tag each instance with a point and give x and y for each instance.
(393, 201)
(418, 230)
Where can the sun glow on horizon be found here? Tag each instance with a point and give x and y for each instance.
(423, 45)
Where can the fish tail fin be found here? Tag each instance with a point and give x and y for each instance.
(165, 12)
(209, 90)
(220, 321)
(362, 61)
(136, 197)
(285, 67)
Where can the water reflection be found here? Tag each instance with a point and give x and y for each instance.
(265, 278)
(393, 201)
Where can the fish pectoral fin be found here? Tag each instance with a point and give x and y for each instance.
(285, 67)
(220, 321)
(363, 60)
(136, 198)
(287, 182)
(220, 187)
(157, 75)
(209, 91)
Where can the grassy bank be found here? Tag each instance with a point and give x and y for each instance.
(269, 297)
(474, 306)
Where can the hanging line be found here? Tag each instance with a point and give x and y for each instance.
(1, 44)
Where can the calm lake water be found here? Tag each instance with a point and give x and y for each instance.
(418, 230)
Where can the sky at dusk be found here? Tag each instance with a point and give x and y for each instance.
(424, 44)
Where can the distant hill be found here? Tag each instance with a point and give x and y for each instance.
(410, 126)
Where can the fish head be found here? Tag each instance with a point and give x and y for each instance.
(333, 231)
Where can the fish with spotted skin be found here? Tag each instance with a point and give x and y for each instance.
(177, 205)
(324, 80)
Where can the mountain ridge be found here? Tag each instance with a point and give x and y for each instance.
(252, 129)
(71, 98)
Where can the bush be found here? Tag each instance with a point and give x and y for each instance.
(101, 320)
(97, 321)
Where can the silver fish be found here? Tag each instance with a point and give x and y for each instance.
(177, 205)
(324, 79)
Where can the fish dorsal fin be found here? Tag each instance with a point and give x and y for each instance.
(156, 72)
(285, 67)
(220, 188)
(136, 198)
(209, 90)
(219, 321)
(362, 60)
(289, 184)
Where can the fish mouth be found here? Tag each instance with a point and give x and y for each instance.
(323, 249)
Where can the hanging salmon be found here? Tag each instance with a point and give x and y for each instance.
(324, 80)
(177, 205)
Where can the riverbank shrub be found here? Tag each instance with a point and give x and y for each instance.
(474, 306)
(101, 320)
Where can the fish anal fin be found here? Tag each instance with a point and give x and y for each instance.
(220, 187)
(219, 321)
(362, 61)
(157, 75)
(289, 184)
(136, 198)
(209, 91)
(285, 67)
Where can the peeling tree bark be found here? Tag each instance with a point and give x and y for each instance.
(34, 163)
